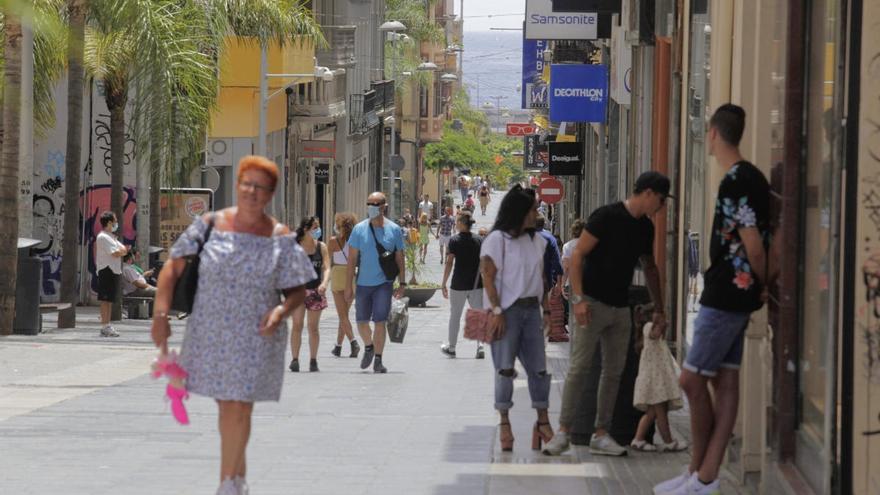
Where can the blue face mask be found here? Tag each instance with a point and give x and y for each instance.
(374, 211)
(317, 233)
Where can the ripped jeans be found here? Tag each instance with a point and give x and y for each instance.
(523, 338)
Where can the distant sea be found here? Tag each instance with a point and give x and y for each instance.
(493, 61)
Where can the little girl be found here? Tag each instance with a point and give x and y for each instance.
(656, 393)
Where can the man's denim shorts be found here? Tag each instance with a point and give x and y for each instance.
(373, 303)
(718, 341)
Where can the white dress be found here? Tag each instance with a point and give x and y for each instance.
(658, 375)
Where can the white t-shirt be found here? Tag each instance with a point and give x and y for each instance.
(520, 264)
(129, 277)
(427, 208)
(568, 248)
(105, 246)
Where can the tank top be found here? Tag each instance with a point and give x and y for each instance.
(341, 257)
(318, 264)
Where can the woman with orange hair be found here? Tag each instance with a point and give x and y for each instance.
(235, 340)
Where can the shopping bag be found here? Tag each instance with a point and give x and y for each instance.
(398, 320)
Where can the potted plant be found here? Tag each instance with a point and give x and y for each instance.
(418, 293)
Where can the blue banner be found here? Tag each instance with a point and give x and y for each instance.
(578, 92)
(534, 89)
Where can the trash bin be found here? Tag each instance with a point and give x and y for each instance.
(626, 417)
(28, 320)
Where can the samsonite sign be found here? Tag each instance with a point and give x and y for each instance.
(566, 158)
(544, 24)
(578, 92)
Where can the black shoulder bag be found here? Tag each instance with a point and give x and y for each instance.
(387, 260)
(188, 282)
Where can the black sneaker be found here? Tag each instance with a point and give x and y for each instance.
(377, 366)
(313, 365)
(355, 349)
(481, 354)
(337, 350)
(294, 366)
(367, 360)
(447, 351)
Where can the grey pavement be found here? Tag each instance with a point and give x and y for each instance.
(79, 414)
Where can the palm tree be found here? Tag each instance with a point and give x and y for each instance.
(9, 182)
(76, 15)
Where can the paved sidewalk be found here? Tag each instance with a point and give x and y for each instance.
(80, 415)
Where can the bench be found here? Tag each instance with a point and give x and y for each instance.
(138, 308)
(53, 307)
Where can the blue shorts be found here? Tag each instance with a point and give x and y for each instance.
(718, 341)
(372, 303)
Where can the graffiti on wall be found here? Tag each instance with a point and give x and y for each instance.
(48, 208)
(102, 141)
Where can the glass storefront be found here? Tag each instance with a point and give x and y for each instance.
(817, 370)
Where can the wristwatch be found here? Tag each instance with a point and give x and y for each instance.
(496, 310)
(577, 298)
(401, 284)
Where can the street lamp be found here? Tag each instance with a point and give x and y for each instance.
(448, 78)
(393, 28)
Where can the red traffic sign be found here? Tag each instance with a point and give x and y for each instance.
(514, 129)
(551, 191)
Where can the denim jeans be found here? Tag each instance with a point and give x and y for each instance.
(457, 298)
(609, 326)
(523, 338)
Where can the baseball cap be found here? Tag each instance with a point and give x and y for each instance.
(654, 181)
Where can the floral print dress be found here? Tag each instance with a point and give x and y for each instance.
(240, 276)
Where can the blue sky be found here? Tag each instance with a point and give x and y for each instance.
(476, 14)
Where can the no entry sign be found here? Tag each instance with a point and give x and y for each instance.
(551, 191)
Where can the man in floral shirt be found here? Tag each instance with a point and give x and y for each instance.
(734, 288)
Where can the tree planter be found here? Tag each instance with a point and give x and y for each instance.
(419, 296)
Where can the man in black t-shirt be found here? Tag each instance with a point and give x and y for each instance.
(734, 287)
(464, 252)
(615, 239)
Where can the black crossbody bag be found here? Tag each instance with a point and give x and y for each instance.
(387, 260)
(186, 286)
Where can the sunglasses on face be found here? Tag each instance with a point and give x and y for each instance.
(253, 186)
(375, 204)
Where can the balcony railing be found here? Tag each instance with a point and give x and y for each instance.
(340, 47)
(319, 100)
(384, 96)
(362, 113)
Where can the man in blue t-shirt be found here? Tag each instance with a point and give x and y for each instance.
(374, 284)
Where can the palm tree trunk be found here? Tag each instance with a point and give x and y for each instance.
(9, 185)
(70, 241)
(155, 184)
(116, 100)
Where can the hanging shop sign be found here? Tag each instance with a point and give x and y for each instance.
(316, 149)
(520, 129)
(322, 173)
(621, 67)
(578, 92)
(534, 89)
(530, 144)
(602, 6)
(566, 158)
(542, 23)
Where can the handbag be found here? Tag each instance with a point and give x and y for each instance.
(478, 322)
(387, 260)
(185, 288)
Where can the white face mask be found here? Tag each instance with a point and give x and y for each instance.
(374, 211)
(115, 227)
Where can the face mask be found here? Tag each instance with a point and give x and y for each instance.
(335, 230)
(115, 227)
(317, 233)
(374, 211)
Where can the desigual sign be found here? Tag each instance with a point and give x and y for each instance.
(566, 158)
(578, 92)
(544, 24)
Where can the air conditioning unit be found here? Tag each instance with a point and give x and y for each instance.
(219, 152)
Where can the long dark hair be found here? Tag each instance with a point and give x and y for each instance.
(515, 206)
(306, 224)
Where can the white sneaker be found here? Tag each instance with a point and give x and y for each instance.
(109, 331)
(669, 486)
(557, 445)
(673, 446)
(605, 445)
(241, 485)
(227, 488)
(696, 487)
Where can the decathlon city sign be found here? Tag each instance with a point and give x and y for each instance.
(544, 24)
(578, 92)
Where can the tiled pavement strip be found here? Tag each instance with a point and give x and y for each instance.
(80, 415)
